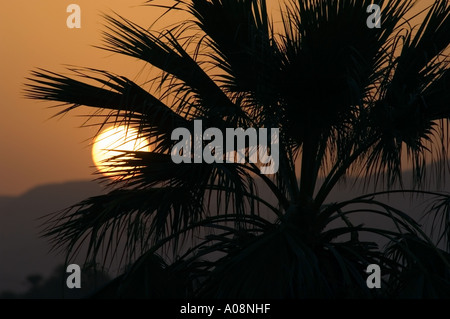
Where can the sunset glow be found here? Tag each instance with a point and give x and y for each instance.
(111, 143)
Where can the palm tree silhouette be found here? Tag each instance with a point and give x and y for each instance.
(346, 98)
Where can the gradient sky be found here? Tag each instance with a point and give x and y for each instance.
(35, 149)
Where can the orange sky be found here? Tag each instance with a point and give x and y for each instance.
(34, 149)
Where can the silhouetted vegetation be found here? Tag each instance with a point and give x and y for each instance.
(347, 99)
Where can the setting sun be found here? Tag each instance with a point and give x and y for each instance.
(111, 142)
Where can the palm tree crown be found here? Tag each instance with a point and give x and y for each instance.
(346, 98)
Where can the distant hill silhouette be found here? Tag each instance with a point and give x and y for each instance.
(22, 251)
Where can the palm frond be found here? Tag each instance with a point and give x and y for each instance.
(403, 114)
(123, 97)
(165, 52)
